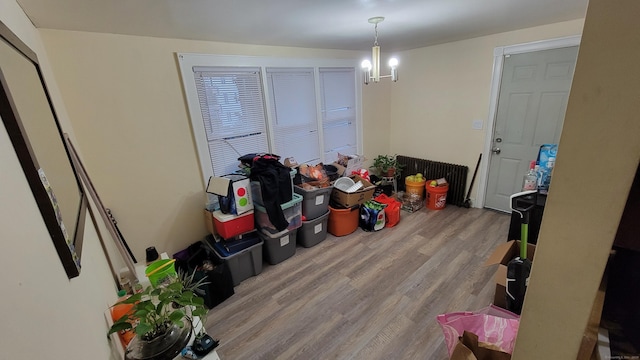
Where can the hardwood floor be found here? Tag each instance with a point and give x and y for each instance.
(365, 295)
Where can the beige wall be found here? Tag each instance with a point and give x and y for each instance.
(443, 88)
(581, 218)
(125, 99)
(44, 314)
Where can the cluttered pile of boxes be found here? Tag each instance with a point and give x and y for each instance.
(271, 207)
(268, 208)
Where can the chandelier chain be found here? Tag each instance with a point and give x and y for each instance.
(375, 43)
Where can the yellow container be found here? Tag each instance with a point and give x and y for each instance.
(414, 187)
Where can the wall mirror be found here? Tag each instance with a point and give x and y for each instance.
(30, 121)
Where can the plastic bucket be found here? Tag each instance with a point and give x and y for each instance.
(343, 221)
(160, 271)
(436, 196)
(415, 187)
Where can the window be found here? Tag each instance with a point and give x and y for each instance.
(307, 109)
(233, 114)
(293, 113)
(338, 112)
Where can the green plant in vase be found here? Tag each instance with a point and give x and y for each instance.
(161, 316)
(386, 166)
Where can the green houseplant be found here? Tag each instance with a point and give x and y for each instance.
(387, 166)
(161, 316)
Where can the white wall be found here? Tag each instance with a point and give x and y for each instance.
(44, 314)
(443, 88)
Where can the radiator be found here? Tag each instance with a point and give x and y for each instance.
(456, 175)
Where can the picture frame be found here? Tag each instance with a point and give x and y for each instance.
(37, 138)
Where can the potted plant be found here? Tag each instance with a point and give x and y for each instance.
(387, 166)
(162, 318)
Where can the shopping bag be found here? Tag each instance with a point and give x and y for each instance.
(392, 211)
(492, 325)
(469, 348)
(372, 216)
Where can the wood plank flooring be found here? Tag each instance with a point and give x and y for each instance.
(365, 295)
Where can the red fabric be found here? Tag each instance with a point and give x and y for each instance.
(392, 211)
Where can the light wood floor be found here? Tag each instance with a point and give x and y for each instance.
(365, 295)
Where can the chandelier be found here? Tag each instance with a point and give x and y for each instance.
(371, 69)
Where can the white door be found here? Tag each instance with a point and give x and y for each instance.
(534, 90)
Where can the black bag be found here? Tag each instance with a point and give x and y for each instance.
(219, 284)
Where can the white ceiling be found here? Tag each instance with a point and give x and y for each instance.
(330, 24)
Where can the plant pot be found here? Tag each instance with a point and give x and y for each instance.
(164, 347)
(390, 172)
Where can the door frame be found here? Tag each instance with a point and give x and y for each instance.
(498, 62)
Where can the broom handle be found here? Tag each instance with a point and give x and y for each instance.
(523, 246)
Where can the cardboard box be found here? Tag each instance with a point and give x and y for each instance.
(501, 256)
(354, 163)
(355, 198)
(234, 193)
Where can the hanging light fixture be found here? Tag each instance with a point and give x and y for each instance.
(371, 69)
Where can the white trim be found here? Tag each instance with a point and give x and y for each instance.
(498, 61)
(187, 61)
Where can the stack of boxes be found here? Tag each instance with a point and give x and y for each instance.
(315, 214)
(234, 238)
(279, 245)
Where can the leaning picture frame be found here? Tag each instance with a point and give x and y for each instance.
(31, 123)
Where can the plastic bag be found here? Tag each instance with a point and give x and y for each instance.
(372, 216)
(392, 211)
(493, 325)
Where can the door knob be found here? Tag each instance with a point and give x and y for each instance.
(496, 150)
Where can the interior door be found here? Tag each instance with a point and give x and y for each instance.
(534, 90)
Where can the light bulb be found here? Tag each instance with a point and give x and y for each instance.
(366, 64)
(393, 63)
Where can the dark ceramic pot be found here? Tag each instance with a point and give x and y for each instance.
(164, 347)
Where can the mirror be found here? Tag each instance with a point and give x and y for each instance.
(30, 121)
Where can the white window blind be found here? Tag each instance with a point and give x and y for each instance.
(338, 111)
(293, 113)
(232, 106)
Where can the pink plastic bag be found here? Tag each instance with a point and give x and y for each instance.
(492, 324)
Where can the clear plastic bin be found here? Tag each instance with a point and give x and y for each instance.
(292, 212)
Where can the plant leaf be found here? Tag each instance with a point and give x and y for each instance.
(119, 326)
(142, 328)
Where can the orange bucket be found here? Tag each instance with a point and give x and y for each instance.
(415, 187)
(343, 221)
(436, 196)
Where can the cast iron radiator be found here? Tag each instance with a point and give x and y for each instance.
(456, 175)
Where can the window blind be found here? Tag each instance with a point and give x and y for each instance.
(232, 106)
(338, 107)
(293, 113)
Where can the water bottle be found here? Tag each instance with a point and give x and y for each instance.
(530, 180)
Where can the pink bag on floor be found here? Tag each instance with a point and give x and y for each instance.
(492, 324)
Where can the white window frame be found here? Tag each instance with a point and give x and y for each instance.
(188, 61)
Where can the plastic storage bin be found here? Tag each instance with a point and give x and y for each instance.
(279, 247)
(315, 203)
(292, 212)
(343, 221)
(242, 264)
(312, 232)
(256, 189)
(219, 283)
(228, 225)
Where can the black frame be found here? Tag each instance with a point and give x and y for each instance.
(69, 252)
